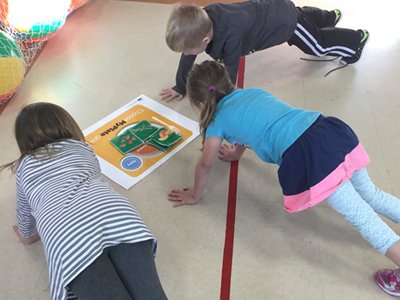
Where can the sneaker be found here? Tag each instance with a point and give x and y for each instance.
(338, 16)
(364, 34)
(388, 280)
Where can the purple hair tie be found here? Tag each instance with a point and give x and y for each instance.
(212, 88)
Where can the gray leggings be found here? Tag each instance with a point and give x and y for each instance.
(359, 201)
(122, 272)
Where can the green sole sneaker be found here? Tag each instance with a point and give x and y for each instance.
(338, 16)
(364, 38)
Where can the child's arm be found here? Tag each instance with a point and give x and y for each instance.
(233, 68)
(26, 240)
(168, 94)
(203, 168)
(26, 228)
(179, 90)
(233, 52)
(230, 152)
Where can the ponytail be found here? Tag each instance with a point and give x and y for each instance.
(207, 112)
(207, 84)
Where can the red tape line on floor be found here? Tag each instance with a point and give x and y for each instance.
(229, 233)
(231, 213)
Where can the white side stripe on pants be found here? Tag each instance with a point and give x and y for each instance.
(318, 50)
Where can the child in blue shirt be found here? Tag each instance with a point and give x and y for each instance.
(320, 158)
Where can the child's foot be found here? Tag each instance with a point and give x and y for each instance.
(364, 35)
(388, 280)
(338, 16)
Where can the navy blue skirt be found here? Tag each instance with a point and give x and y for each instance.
(322, 158)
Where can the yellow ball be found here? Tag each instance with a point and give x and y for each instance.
(12, 68)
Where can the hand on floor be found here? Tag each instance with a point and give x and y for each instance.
(169, 94)
(228, 152)
(182, 197)
(26, 240)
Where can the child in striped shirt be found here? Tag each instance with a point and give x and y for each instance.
(96, 244)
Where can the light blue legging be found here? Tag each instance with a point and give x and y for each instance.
(359, 201)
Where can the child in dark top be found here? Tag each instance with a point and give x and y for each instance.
(228, 31)
(320, 158)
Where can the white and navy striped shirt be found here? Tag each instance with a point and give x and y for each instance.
(62, 197)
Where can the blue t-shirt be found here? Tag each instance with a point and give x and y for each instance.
(255, 118)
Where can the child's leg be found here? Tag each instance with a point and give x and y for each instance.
(393, 253)
(135, 265)
(125, 271)
(325, 41)
(381, 202)
(360, 215)
(99, 281)
(320, 17)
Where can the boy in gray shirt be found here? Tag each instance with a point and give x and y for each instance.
(228, 31)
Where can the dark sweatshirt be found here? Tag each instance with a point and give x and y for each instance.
(240, 29)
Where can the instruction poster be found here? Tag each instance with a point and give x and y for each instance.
(137, 138)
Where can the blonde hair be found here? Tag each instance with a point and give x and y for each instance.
(187, 26)
(208, 83)
(40, 124)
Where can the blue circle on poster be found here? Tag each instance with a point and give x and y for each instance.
(131, 163)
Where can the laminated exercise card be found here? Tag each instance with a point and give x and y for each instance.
(137, 138)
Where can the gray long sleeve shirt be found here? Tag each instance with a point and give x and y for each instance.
(240, 29)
